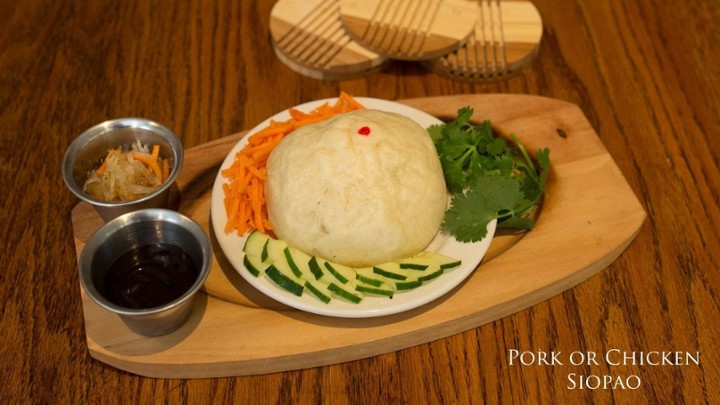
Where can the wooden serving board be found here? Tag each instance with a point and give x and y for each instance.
(506, 38)
(588, 217)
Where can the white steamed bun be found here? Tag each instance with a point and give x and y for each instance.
(354, 198)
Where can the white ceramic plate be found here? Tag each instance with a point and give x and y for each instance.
(371, 306)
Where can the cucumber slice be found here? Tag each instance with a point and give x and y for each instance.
(283, 267)
(344, 294)
(374, 290)
(392, 276)
(451, 265)
(407, 285)
(374, 282)
(437, 259)
(281, 259)
(296, 271)
(254, 243)
(389, 274)
(264, 253)
(283, 281)
(366, 275)
(317, 291)
(426, 260)
(431, 275)
(275, 250)
(338, 272)
(315, 268)
(302, 262)
(413, 266)
(253, 248)
(291, 262)
(253, 265)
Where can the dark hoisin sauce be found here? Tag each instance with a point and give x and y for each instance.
(149, 276)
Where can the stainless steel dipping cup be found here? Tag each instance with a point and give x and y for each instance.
(139, 228)
(91, 146)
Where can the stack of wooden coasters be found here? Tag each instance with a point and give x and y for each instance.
(470, 40)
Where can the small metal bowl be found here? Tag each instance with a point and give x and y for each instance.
(133, 230)
(91, 146)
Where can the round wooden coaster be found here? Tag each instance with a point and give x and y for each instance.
(409, 29)
(506, 38)
(309, 38)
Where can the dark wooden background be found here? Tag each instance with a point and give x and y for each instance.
(645, 72)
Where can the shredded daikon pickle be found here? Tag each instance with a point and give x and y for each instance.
(124, 177)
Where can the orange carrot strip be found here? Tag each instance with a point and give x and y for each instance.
(150, 162)
(256, 172)
(239, 187)
(247, 215)
(230, 171)
(297, 114)
(263, 153)
(237, 166)
(268, 144)
(324, 110)
(273, 130)
(101, 170)
(257, 205)
(234, 204)
(312, 120)
(350, 101)
(227, 201)
(244, 201)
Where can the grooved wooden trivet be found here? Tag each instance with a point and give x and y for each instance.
(309, 38)
(409, 29)
(589, 216)
(506, 38)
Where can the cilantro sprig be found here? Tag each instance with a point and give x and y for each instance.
(488, 176)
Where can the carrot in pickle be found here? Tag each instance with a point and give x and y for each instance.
(150, 162)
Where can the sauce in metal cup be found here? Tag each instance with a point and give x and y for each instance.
(138, 231)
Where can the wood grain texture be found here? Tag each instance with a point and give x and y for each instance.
(644, 73)
(506, 38)
(409, 29)
(308, 36)
(244, 333)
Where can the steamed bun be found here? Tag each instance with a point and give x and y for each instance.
(361, 188)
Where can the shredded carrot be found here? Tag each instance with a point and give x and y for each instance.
(150, 162)
(161, 167)
(244, 201)
(101, 170)
(165, 169)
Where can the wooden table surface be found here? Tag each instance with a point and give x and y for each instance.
(645, 73)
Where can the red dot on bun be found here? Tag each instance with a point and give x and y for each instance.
(364, 131)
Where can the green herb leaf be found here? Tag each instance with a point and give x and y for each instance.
(489, 177)
(515, 222)
(543, 158)
(471, 212)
